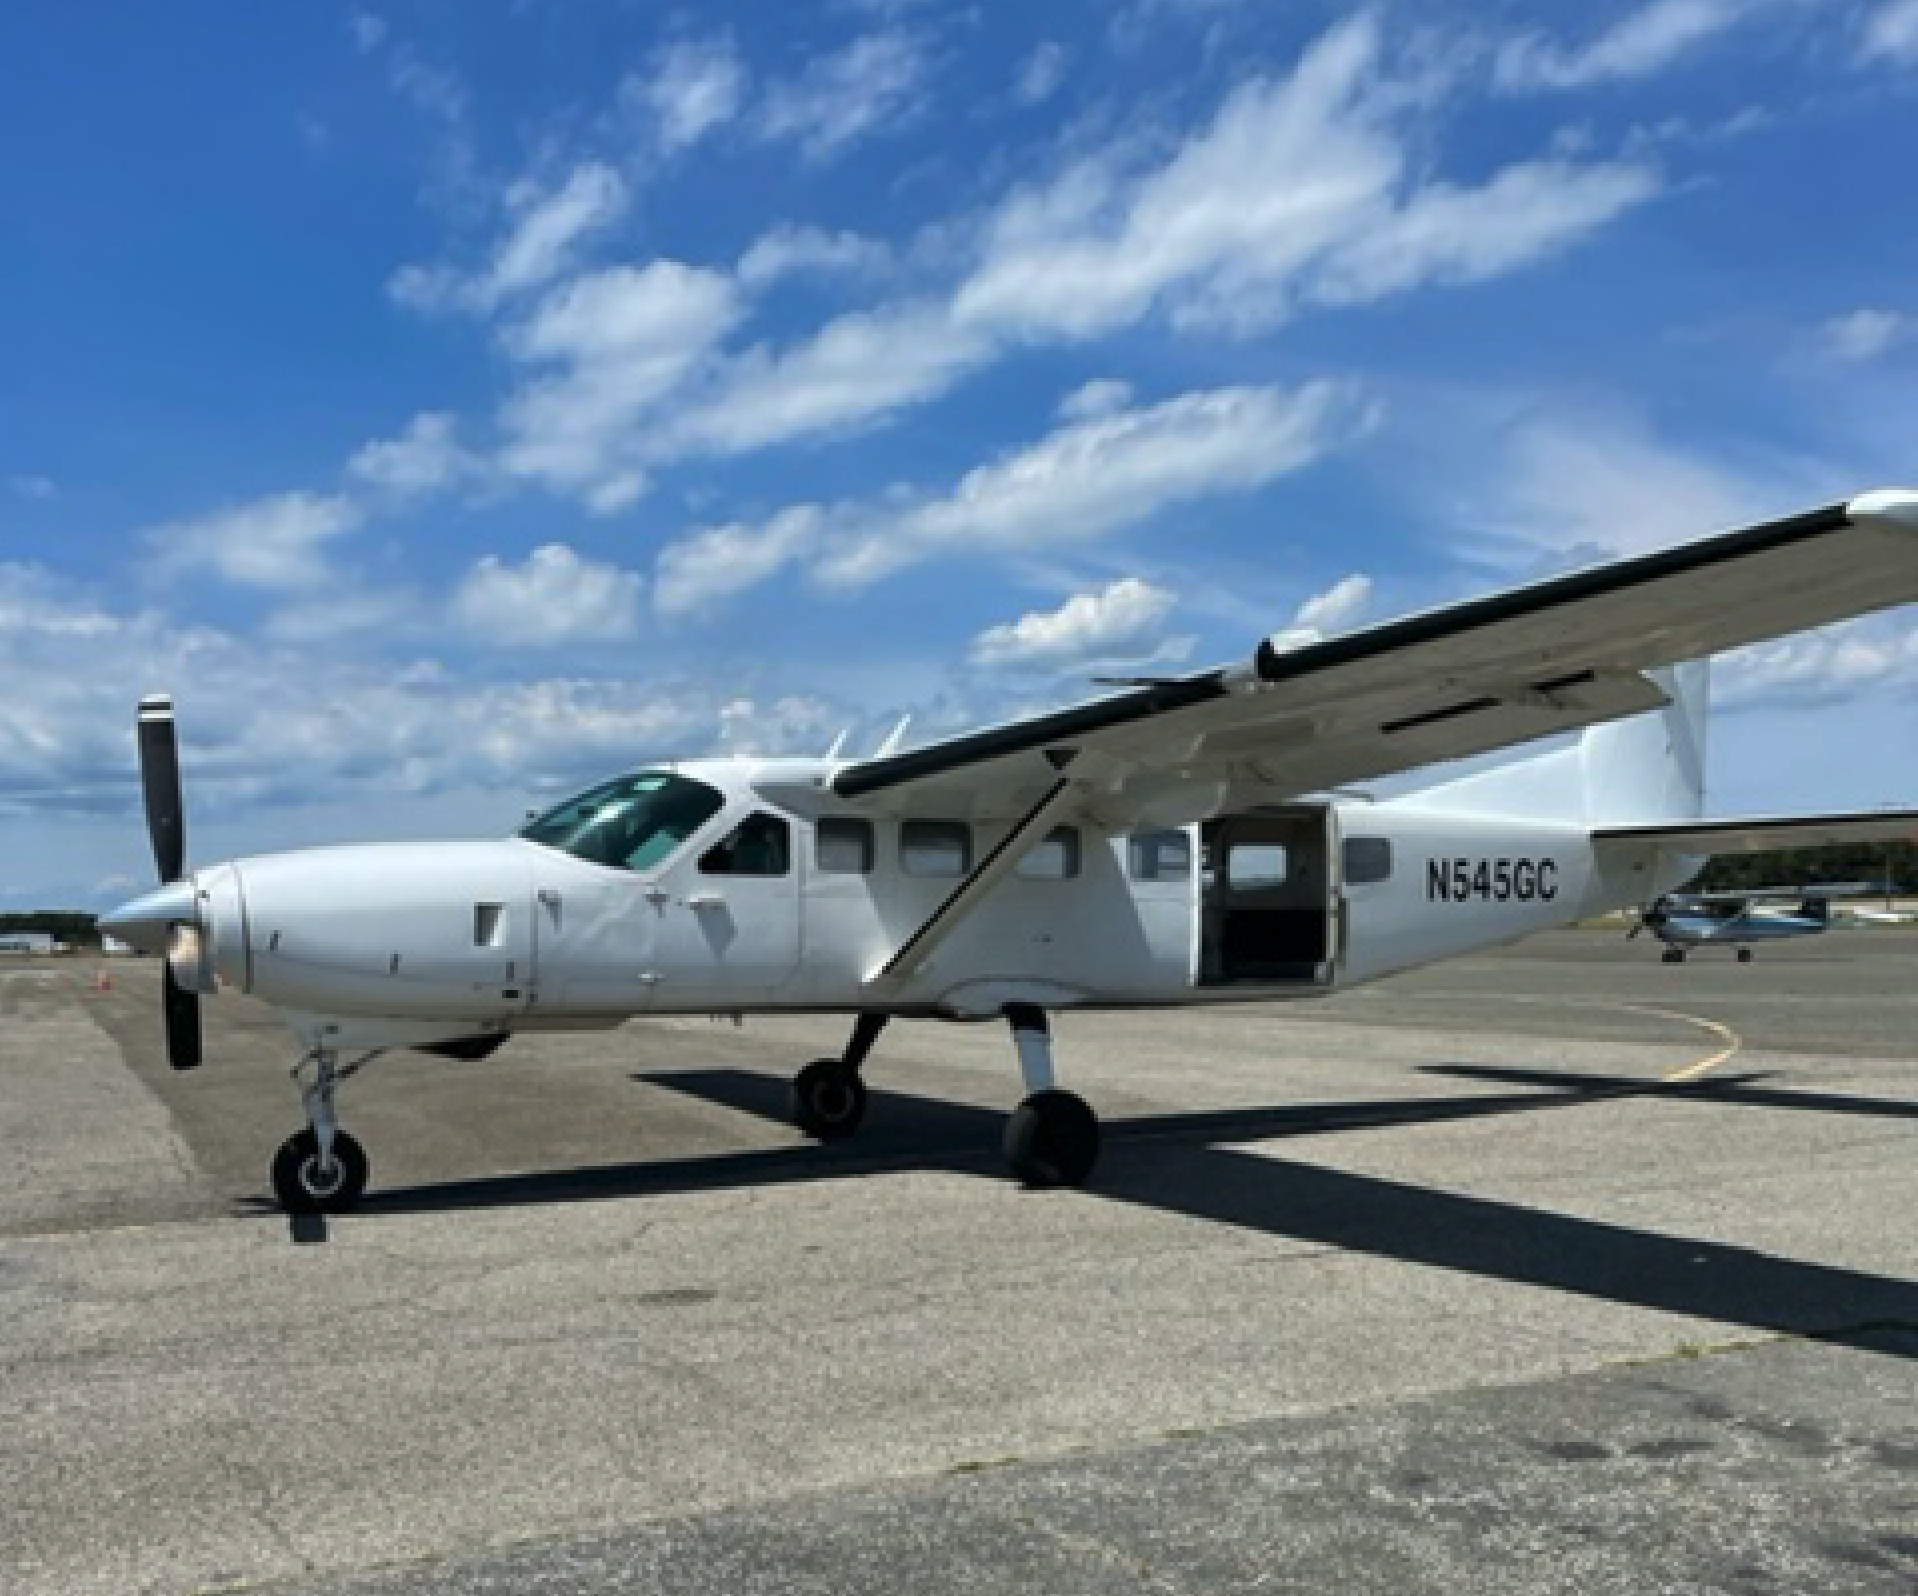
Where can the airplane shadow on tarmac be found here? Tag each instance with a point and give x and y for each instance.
(1174, 1163)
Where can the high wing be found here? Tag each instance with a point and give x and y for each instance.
(1757, 834)
(1472, 677)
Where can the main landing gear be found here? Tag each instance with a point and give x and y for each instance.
(1672, 956)
(1052, 1138)
(322, 1169)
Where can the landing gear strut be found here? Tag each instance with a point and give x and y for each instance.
(829, 1098)
(1052, 1138)
(322, 1169)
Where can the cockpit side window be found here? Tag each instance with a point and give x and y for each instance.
(760, 845)
(632, 823)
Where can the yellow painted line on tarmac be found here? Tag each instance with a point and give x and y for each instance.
(1690, 1072)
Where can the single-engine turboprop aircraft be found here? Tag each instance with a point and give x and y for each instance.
(1687, 920)
(1178, 842)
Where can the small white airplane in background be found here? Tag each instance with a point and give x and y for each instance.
(1178, 842)
(1687, 920)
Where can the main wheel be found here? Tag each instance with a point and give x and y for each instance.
(829, 1100)
(1744, 955)
(1052, 1139)
(1673, 956)
(304, 1187)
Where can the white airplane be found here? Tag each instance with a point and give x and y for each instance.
(1183, 841)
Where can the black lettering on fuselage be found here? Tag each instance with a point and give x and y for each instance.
(1460, 880)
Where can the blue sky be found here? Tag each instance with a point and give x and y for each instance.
(450, 403)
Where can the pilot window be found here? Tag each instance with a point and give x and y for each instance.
(760, 845)
(1367, 859)
(1054, 859)
(1159, 855)
(935, 847)
(844, 847)
(632, 823)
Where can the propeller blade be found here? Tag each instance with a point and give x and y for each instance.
(160, 780)
(182, 1020)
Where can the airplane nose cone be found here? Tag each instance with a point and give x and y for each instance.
(144, 923)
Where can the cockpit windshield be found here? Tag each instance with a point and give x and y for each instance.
(632, 823)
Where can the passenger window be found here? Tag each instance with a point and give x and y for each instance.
(1252, 866)
(1367, 859)
(1159, 855)
(844, 847)
(935, 847)
(760, 845)
(1055, 859)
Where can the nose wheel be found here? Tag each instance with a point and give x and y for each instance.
(306, 1183)
(322, 1169)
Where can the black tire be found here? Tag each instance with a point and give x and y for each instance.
(1673, 956)
(1744, 955)
(297, 1180)
(829, 1100)
(1052, 1139)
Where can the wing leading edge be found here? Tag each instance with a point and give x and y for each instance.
(1465, 679)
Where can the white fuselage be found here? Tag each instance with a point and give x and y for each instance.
(420, 941)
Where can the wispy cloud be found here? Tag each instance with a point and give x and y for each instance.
(691, 88)
(1089, 479)
(1862, 335)
(871, 84)
(1889, 32)
(1638, 45)
(275, 542)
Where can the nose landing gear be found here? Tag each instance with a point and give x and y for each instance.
(322, 1169)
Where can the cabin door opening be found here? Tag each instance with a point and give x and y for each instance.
(1269, 898)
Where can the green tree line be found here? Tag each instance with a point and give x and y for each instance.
(68, 925)
(1872, 862)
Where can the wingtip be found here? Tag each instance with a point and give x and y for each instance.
(1899, 506)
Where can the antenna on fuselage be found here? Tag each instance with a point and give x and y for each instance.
(894, 738)
(838, 744)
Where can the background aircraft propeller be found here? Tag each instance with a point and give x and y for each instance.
(1651, 917)
(183, 973)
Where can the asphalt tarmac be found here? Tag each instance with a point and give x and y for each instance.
(1555, 1269)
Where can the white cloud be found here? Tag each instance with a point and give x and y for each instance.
(1581, 483)
(693, 86)
(274, 542)
(791, 251)
(855, 369)
(1890, 33)
(1338, 607)
(367, 29)
(1123, 621)
(1863, 335)
(541, 244)
(608, 347)
(31, 485)
(1099, 397)
(1638, 45)
(716, 563)
(550, 226)
(873, 82)
(1041, 73)
(1297, 191)
(555, 597)
(426, 458)
(1833, 663)
(1098, 476)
